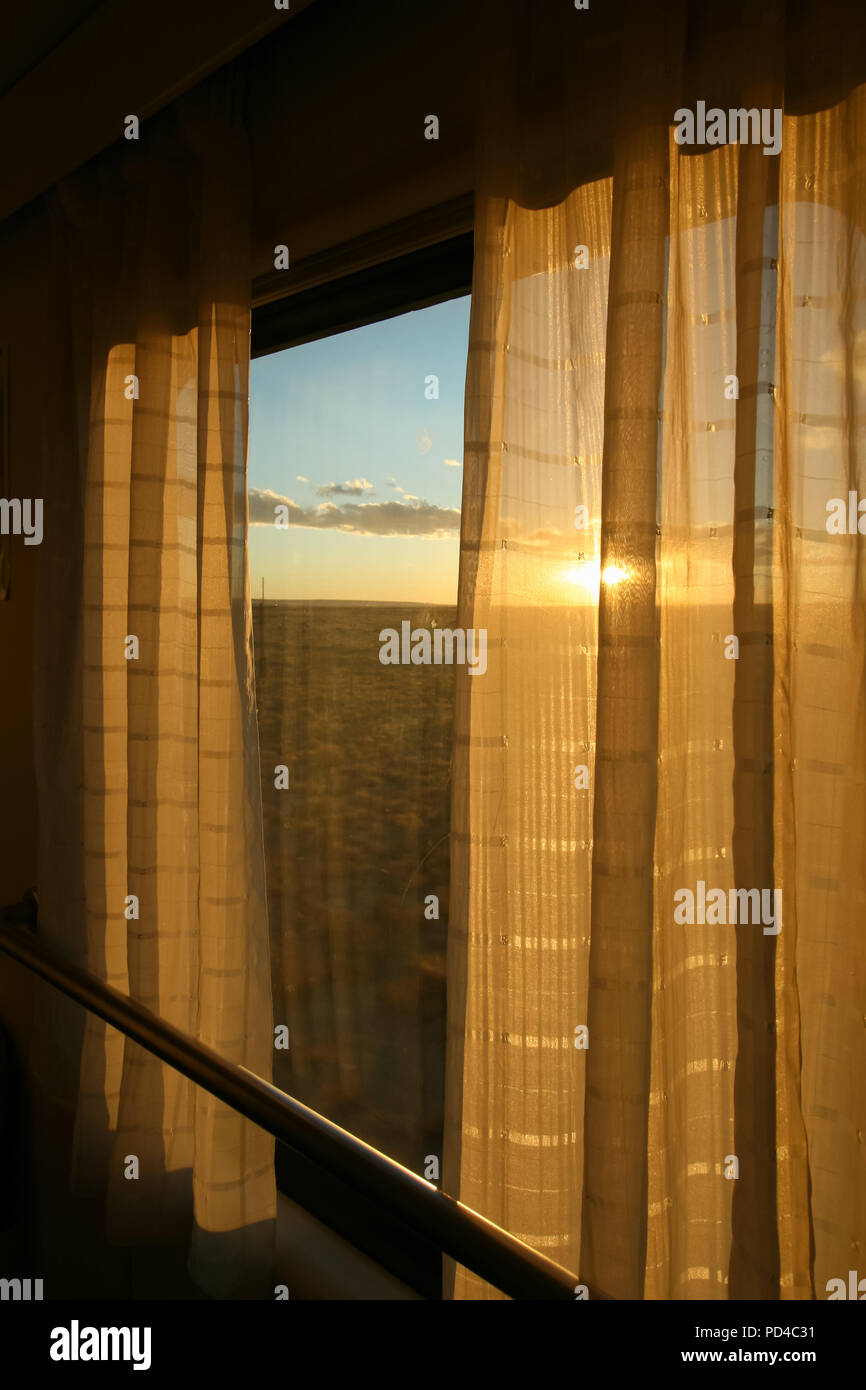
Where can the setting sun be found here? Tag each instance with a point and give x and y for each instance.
(614, 574)
(589, 575)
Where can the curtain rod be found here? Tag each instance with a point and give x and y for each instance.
(494, 1254)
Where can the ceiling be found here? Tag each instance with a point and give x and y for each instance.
(28, 32)
(70, 70)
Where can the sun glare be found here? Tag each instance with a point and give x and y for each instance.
(614, 574)
(589, 576)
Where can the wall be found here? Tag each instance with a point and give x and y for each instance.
(23, 264)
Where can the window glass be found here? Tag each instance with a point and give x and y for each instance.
(355, 474)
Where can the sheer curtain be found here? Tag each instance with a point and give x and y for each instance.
(151, 856)
(664, 389)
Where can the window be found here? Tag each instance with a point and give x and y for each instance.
(355, 478)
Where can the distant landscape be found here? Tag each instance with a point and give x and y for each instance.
(352, 849)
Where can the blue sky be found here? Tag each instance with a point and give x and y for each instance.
(371, 470)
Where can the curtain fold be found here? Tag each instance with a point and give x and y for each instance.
(625, 752)
(151, 851)
(664, 389)
(819, 645)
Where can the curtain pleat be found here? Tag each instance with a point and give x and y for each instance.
(694, 983)
(820, 649)
(624, 781)
(754, 1270)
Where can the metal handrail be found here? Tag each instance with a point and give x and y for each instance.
(494, 1254)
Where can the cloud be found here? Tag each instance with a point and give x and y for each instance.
(302, 479)
(347, 489)
(424, 441)
(452, 463)
(393, 518)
